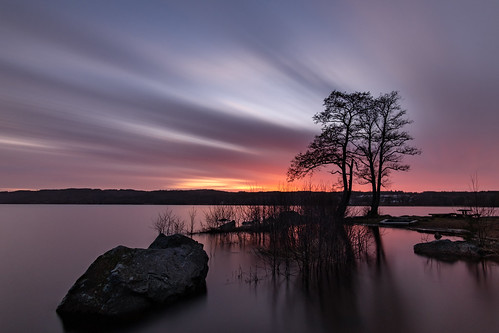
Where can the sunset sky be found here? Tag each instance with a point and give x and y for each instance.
(221, 94)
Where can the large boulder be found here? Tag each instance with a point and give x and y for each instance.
(125, 281)
(448, 250)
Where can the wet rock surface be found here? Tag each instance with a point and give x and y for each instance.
(448, 250)
(125, 281)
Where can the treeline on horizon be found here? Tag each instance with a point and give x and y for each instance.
(215, 197)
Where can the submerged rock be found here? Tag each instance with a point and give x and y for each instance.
(126, 281)
(448, 250)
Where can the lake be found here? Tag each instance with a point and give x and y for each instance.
(45, 248)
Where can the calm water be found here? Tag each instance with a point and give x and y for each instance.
(45, 248)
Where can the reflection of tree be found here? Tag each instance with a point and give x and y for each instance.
(367, 294)
(380, 252)
(312, 241)
(333, 295)
(350, 297)
(479, 271)
(387, 308)
(236, 240)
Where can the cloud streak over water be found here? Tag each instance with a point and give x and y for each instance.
(189, 94)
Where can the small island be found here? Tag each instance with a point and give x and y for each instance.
(480, 234)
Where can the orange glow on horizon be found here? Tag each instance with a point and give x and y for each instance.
(269, 183)
(224, 184)
(270, 180)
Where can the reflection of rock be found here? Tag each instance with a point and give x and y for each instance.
(448, 250)
(123, 281)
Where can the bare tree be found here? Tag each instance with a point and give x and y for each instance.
(216, 216)
(367, 149)
(382, 143)
(335, 145)
(192, 217)
(168, 223)
(361, 136)
(479, 212)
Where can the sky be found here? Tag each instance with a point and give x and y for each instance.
(220, 94)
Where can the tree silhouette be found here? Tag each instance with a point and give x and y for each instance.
(361, 136)
(382, 143)
(335, 145)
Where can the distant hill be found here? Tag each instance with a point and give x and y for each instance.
(214, 197)
(134, 197)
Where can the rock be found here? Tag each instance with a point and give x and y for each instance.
(126, 281)
(228, 226)
(177, 240)
(448, 250)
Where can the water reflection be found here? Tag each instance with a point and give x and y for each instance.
(383, 291)
(388, 290)
(387, 311)
(480, 271)
(337, 299)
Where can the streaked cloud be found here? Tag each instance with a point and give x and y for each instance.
(172, 94)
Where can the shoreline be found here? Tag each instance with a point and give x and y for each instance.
(458, 226)
(485, 241)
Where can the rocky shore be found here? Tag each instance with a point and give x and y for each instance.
(447, 250)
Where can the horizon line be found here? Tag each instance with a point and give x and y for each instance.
(12, 190)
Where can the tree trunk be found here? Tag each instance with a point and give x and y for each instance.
(373, 210)
(347, 191)
(375, 203)
(380, 252)
(343, 204)
(377, 193)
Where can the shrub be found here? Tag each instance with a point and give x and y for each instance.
(168, 223)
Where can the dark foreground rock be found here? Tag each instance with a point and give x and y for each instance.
(448, 250)
(125, 281)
